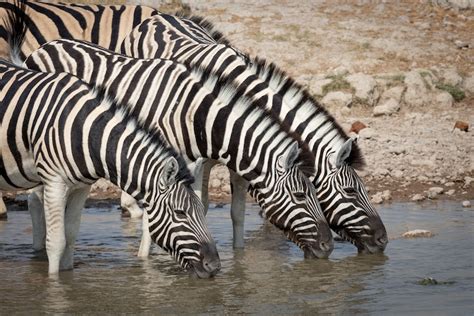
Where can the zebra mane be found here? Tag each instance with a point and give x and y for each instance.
(227, 91)
(16, 24)
(270, 72)
(207, 26)
(149, 134)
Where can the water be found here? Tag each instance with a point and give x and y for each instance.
(269, 277)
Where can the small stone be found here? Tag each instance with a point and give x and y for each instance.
(340, 71)
(418, 233)
(387, 195)
(443, 100)
(437, 190)
(381, 172)
(377, 198)
(397, 150)
(367, 133)
(461, 45)
(449, 184)
(450, 192)
(337, 99)
(462, 126)
(357, 126)
(417, 198)
(431, 195)
(396, 173)
(467, 181)
(215, 183)
(466, 203)
(389, 107)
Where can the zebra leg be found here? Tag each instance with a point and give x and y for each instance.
(3, 208)
(35, 206)
(75, 204)
(237, 211)
(145, 243)
(55, 198)
(130, 206)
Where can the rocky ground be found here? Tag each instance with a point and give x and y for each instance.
(404, 69)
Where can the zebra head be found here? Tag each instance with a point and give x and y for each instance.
(346, 204)
(290, 203)
(177, 223)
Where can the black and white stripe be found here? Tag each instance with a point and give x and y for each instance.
(105, 25)
(58, 132)
(340, 191)
(202, 116)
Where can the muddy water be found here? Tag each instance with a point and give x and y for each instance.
(269, 277)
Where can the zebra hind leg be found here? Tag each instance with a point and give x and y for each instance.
(74, 206)
(237, 211)
(35, 206)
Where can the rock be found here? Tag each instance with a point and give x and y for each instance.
(396, 173)
(377, 198)
(418, 233)
(461, 45)
(381, 172)
(417, 90)
(467, 181)
(390, 107)
(437, 190)
(357, 126)
(316, 87)
(367, 133)
(462, 126)
(365, 87)
(431, 195)
(395, 93)
(451, 77)
(417, 197)
(337, 99)
(397, 150)
(387, 195)
(449, 184)
(443, 100)
(466, 203)
(468, 84)
(450, 192)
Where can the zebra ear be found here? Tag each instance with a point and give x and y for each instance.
(168, 175)
(344, 152)
(292, 155)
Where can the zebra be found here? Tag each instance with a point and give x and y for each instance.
(203, 117)
(340, 190)
(60, 133)
(105, 25)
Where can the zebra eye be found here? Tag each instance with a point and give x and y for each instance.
(350, 190)
(299, 196)
(180, 214)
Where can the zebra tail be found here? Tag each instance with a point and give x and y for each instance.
(16, 26)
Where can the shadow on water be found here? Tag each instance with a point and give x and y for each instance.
(269, 276)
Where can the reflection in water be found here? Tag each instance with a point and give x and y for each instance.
(270, 276)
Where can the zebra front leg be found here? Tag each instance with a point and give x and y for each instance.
(55, 198)
(130, 206)
(3, 209)
(145, 243)
(74, 206)
(35, 206)
(237, 211)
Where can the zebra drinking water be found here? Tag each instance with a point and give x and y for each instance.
(340, 191)
(58, 132)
